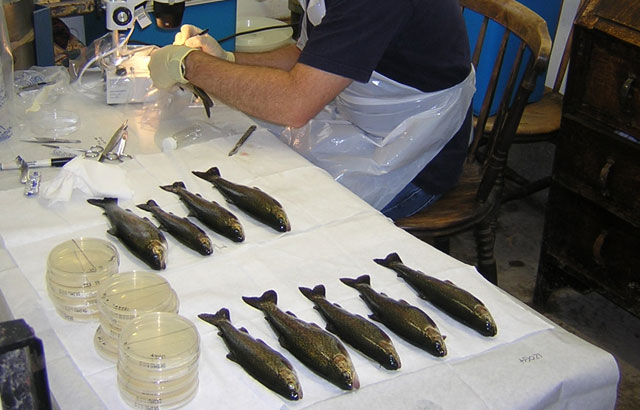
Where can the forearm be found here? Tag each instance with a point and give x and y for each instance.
(272, 94)
(283, 58)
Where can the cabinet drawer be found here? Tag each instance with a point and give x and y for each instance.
(595, 245)
(599, 165)
(604, 82)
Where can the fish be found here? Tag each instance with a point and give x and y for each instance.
(407, 321)
(257, 358)
(202, 95)
(210, 213)
(138, 234)
(354, 329)
(451, 299)
(318, 349)
(182, 229)
(253, 201)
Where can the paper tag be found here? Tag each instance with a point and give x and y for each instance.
(142, 17)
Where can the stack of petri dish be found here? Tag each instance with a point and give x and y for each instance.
(158, 361)
(122, 298)
(75, 270)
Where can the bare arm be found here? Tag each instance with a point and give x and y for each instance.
(288, 97)
(283, 58)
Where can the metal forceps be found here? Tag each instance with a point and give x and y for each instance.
(92, 152)
(118, 142)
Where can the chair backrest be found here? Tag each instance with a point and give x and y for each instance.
(530, 32)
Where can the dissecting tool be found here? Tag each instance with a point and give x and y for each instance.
(114, 142)
(50, 140)
(92, 152)
(51, 162)
(242, 139)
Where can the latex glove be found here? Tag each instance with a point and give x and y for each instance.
(166, 65)
(189, 36)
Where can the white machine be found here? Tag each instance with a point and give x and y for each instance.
(127, 77)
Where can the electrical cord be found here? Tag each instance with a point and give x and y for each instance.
(222, 40)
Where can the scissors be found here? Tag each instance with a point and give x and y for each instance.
(92, 152)
(117, 141)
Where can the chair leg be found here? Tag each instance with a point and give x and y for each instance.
(485, 237)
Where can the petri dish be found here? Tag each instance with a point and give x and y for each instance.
(159, 387)
(82, 262)
(54, 122)
(159, 340)
(158, 401)
(125, 296)
(71, 292)
(106, 346)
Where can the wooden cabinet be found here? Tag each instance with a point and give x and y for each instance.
(592, 222)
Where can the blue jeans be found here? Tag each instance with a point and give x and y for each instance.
(409, 201)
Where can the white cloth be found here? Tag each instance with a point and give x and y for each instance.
(93, 178)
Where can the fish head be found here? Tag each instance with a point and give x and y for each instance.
(281, 222)
(236, 232)
(346, 376)
(390, 358)
(486, 324)
(292, 384)
(205, 245)
(156, 255)
(438, 347)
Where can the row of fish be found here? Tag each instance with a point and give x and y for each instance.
(324, 353)
(148, 243)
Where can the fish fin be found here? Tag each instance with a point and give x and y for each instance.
(244, 329)
(374, 317)
(232, 357)
(269, 296)
(102, 203)
(444, 337)
(220, 315)
(112, 231)
(364, 279)
(389, 260)
(148, 206)
(337, 305)
(175, 187)
(308, 293)
(330, 327)
(402, 301)
(291, 313)
(319, 290)
(449, 282)
(208, 175)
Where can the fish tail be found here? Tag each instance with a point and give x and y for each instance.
(210, 174)
(389, 260)
(221, 315)
(102, 203)
(364, 279)
(269, 296)
(175, 187)
(317, 291)
(148, 206)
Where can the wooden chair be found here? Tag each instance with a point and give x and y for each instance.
(473, 203)
(540, 122)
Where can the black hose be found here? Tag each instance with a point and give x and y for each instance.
(222, 40)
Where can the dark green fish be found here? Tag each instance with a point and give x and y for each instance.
(209, 212)
(354, 329)
(252, 200)
(454, 301)
(407, 321)
(202, 95)
(318, 349)
(138, 234)
(262, 362)
(182, 229)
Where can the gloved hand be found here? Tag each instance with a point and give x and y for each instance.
(165, 65)
(189, 36)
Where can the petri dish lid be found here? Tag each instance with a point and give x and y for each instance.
(157, 387)
(159, 340)
(158, 401)
(129, 294)
(106, 346)
(82, 262)
(72, 292)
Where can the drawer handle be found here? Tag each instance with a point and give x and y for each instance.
(626, 94)
(604, 176)
(597, 247)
